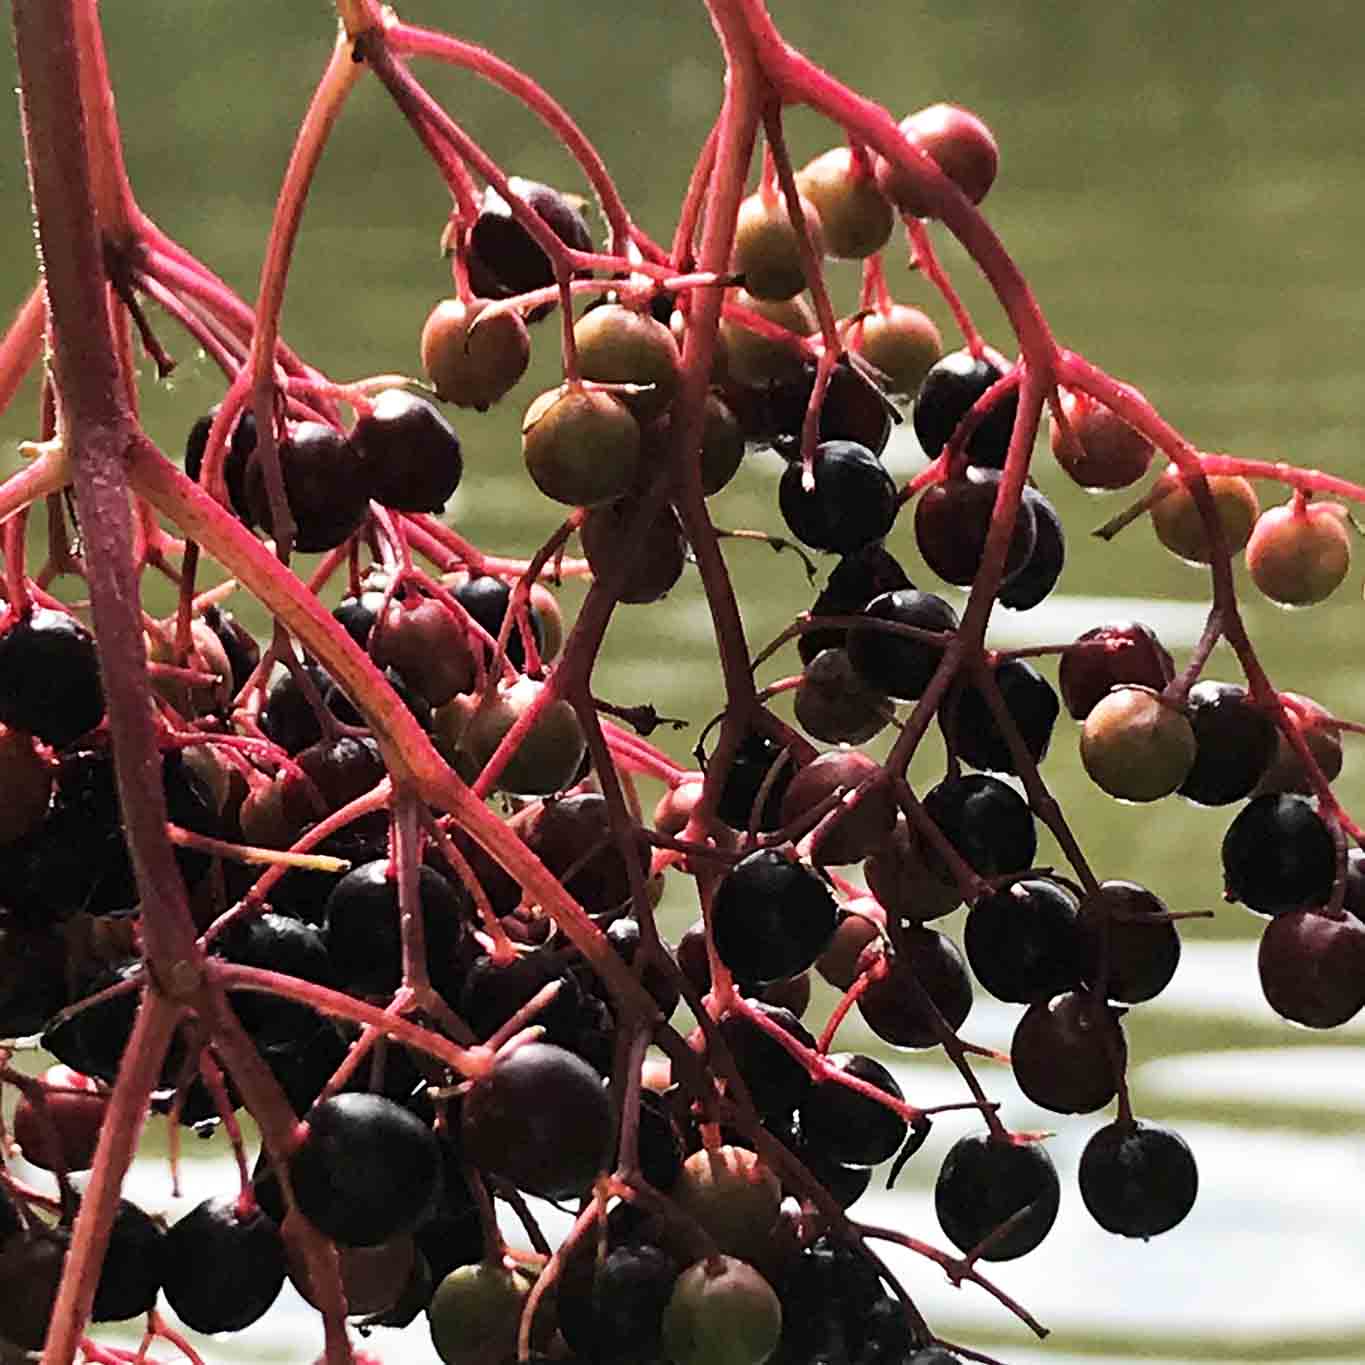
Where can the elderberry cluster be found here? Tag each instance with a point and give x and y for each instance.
(448, 1042)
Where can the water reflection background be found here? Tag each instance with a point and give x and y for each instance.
(1181, 185)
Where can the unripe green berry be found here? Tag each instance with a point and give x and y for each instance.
(581, 446)
(722, 1312)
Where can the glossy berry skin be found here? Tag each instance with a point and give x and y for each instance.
(767, 253)
(1136, 747)
(1035, 580)
(903, 343)
(894, 664)
(76, 1111)
(953, 520)
(1067, 1053)
(411, 454)
(853, 582)
(1278, 855)
(849, 1127)
(1032, 705)
(986, 821)
(853, 409)
(755, 758)
(363, 936)
(487, 598)
(925, 963)
(777, 1081)
(1103, 451)
(984, 1183)
(504, 258)
(133, 1269)
(224, 1267)
(1022, 941)
(1298, 554)
(833, 704)
(366, 1170)
(240, 445)
(1235, 741)
(1312, 967)
(614, 1311)
(959, 142)
(540, 1119)
(1105, 657)
(852, 502)
(325, 484)
(1123, 935)
(771, 917)
(949, 392)
(904, 884)
(1180, 528)
(1137, 1180)
(581, 446)
(50, 677)
(856, 217)
(472, 360)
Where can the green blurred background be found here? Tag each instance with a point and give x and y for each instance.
(1182, 187)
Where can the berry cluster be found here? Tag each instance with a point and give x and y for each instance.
(384, 879)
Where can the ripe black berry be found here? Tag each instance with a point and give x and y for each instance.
(409, 453)
(325, 486)
(1022, 942)
(984, 1183)
(852, 584)
(1278, 855)
(1032, 705)
(1137, 1180)
(852, 502)
(896, 664)
(366, 1169)
(771, 917)
(1040, 572)
(50, 677)
(987, 822)
(224, 1265)
(948, 393)
(1234, 743)
(851, 1128)
(503, 257)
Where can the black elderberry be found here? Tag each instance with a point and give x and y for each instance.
(1138, 1180)
(899, 665)
(1278, 855)
(363, 934)
(278, 944)
(851, 503)
(134, 1266)
(613, 1312)
(325, 487)
(854, 410)
(1235, 741)
(755, 758)
(540, 1119)
(240, 445)
(503, 257)
(410, 454)
(486, 599)
(984, 1183)
(948, 394)
(1032, 704)
(1023, 943)
(1040, 572)
(852, 584)
(224, 1265)
(986, 821)
(366, 1169)
(849, 1127)
(777, 1081)
(50, 677)
(771, 917)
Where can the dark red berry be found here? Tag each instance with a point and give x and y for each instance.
(325, 485)
(1312, 967)
(1235, 741)
(925, 977)
(1068, 1053)
(1125, 937)
(900, 665)
(1123, 652)
(953, 519)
